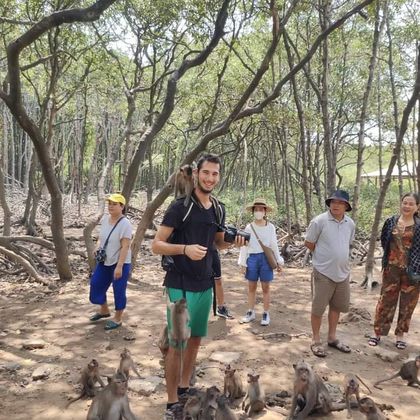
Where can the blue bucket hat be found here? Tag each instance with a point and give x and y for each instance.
(340, 195)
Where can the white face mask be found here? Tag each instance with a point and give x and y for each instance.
(258, 215)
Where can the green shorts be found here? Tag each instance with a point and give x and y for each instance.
(198, 304)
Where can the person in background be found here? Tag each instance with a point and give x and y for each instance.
(253, 261)
(400, 239)
(221, 309)
(115, 269)
(329, 238)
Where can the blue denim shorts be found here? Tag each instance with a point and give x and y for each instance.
(258, 268)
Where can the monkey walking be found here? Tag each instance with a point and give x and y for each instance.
(232, 384)
(308, 391)
(409, 372)
(127, 363)
(88, 378)
(368, 407)
(184, 183)
(112, 402)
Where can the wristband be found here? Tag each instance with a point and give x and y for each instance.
(185, 247)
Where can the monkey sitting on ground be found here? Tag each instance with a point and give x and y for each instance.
(224, 412)
(184, 183)
(88, 378)
(192, 408)
(308, 388)
(127, 363)
(209, 406)
(368, 407)
(409, 372)
(254, 400)
(112, 402)
(232, 384)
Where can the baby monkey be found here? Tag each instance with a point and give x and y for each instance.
(409, 372)
(368, 407)
(127, 363)
(88, 378)
(184, 183)
(351, 386)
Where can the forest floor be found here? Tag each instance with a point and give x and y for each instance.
(58, 319)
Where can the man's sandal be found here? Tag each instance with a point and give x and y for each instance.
(98, 316)
(337, 344)
(401, 345)
(318, 350)
(374, 341)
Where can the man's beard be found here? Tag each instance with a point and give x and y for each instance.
(202, 189)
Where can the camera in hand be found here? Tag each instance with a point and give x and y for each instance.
(231, 232)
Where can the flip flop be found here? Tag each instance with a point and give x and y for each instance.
(401, 345)
(98, 316)
(337, 344)
(374, 341)
(112, 325)
(318, 350)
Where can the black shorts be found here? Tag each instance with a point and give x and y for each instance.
(217, 267)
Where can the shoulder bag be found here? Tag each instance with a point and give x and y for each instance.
(269, 253)
(100, 254)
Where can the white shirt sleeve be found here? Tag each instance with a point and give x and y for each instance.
(243, 253)
(274, 245)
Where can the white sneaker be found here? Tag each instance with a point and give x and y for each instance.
(250, 316)
(265, 319)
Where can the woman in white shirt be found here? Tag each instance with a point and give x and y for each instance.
(253, 261)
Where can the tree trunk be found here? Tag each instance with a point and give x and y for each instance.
(13, 100)
(325, 17)
(396, 152)
(7, 214)
(302, 138)
(379, 26)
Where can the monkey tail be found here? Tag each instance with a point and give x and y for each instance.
(74, 400)
(385, 380)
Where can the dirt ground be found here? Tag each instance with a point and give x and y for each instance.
(59, 317)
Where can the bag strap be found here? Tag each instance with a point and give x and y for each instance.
(112, 230)
(258, 239)
(218, 210)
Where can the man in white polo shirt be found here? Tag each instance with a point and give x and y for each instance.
(329, 237)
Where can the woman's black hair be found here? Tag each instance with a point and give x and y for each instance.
(411, 194)
(124, 210)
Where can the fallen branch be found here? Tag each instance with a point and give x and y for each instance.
(25, 265)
